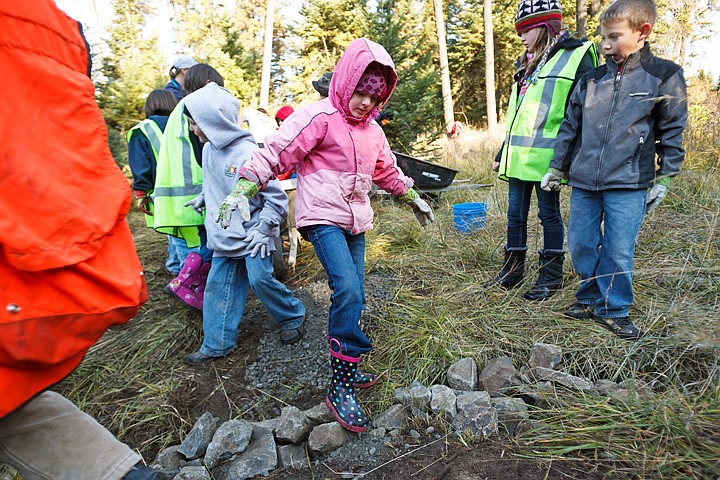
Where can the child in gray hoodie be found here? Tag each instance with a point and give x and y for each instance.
(242, 253)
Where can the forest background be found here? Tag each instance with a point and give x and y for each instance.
(130, 56)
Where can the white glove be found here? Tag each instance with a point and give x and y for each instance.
(655, 196)
(230, 204)
(259, 243)
(197, 203)
(423, 212)
(551, 180)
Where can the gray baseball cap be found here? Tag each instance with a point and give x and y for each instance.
(322, 85)
(183, 61)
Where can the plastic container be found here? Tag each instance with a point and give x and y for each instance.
(426, 174)
(470, 217)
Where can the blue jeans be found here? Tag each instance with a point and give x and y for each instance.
(226, 293)
(178, 251)
(604, 257)
(342, 254)
(519, 194)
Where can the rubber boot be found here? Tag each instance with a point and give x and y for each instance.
(550, 277)
(364, 379)
(341, 398)
(192, 293)
(192, 264)
(513, 268)
(141, 472)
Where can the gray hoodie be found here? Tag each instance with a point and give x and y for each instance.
(215, 110)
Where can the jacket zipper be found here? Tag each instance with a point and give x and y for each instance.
(617, 83)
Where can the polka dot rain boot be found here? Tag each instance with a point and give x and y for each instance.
(341, 399)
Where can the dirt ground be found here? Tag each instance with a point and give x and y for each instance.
(220, 388)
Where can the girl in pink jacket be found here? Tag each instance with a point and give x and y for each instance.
(338, 151)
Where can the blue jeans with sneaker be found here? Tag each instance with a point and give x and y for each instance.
(603, 257)
(519, 195)
(342, 255)
(226, 294)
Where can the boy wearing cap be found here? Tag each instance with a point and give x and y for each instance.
(619, 117)
(180, 65)
(549, 67)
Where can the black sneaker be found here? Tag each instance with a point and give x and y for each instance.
(580, 311)
(622, 327)
(289, 336)
(141, 472)
(199, 358)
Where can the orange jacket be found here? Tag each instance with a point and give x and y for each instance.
(68, 265)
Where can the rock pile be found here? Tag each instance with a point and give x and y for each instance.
(493, 402)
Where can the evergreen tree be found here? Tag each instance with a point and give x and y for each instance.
(133, 67)
(405, 29)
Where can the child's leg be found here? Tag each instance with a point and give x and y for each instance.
(519, 194)
(550, 218)
(280, 303)
(623, 215)
(225, 296)
(338, 251)
(584, 239)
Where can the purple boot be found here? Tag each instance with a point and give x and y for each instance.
(341, 399)
(192, 293)
(192, 264)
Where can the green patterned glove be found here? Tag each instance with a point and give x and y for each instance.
(237, 200)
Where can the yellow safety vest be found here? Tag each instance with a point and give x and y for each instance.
(534, 120)
(178, 180)
(152, 132)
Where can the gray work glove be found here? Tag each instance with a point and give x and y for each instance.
(655, 196)
(197, 203)
(259, 243)
(422, 211)
(551, 180)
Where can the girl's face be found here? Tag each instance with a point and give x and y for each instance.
(196, 130)
(361, 104)
(529, 38)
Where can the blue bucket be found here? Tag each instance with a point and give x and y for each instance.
(469, 217)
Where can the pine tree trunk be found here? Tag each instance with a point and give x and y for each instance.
(444, 69)
(489, 67)
(267, 55)
(581, 18)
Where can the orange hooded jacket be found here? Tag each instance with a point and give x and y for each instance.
(68, 265)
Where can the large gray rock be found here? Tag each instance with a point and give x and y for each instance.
(443, 402)
(462, 375)
(231, 438)
(545, 355)
(320, 413)
(193, 473)
(169, 458)
(291, 456)
(417, 396)
(470, 403)
(258, 459)
(562, 378)
(498, 374)
(196, 443)
(510, 411)
(482, 423)
(327, 437)
(294, 425)
(393, 418)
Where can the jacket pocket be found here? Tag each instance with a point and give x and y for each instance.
(635, 160)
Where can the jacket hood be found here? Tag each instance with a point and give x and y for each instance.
(216, 110)
(351, 66)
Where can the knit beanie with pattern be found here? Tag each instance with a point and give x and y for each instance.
(536, 13)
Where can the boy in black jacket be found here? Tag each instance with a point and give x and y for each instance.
(619, 117)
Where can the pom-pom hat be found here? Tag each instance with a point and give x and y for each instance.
(537, 13)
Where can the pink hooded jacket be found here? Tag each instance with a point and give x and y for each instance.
(337, 156)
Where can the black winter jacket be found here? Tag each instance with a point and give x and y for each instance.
(617, 121)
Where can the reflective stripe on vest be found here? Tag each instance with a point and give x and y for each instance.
(152, 131)
(178, 180)
(534, 119)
